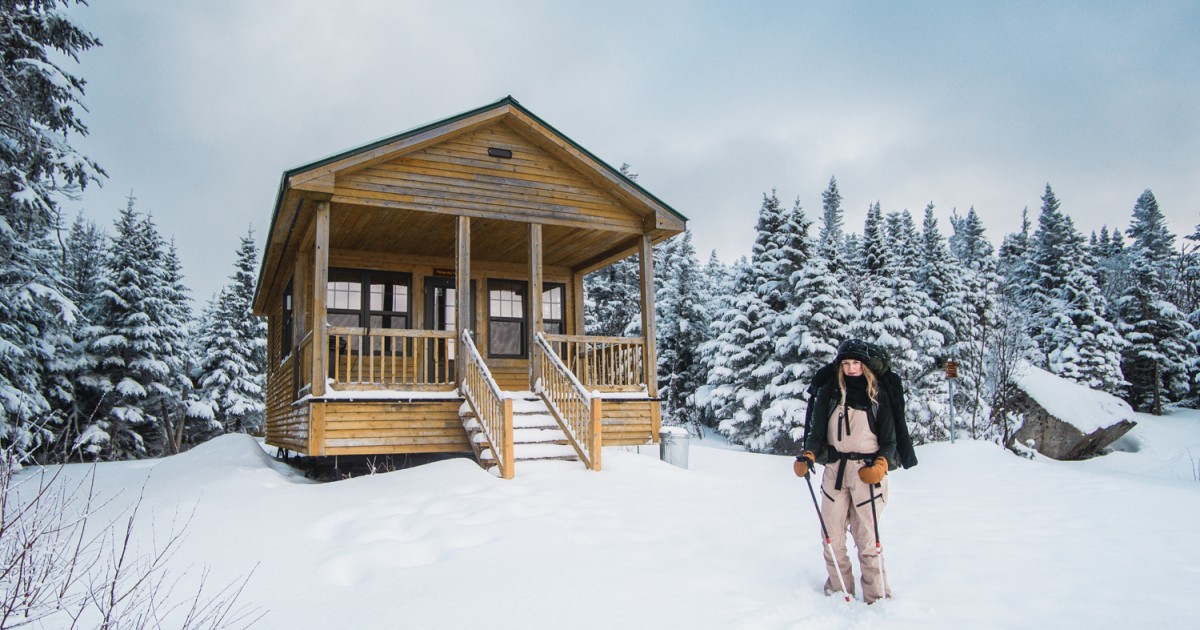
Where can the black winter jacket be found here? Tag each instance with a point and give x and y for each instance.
(879, 418)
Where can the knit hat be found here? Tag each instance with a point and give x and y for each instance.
(855, 349)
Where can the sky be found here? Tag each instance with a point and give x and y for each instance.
(197, 107)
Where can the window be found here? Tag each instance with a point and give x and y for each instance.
(360, 298)
(554, 319)
(285, 322)
(507, 318)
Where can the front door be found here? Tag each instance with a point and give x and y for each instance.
(441, 307)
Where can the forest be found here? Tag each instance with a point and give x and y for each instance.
(102, 356)
(1116, 311)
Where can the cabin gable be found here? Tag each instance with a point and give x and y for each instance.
(457, 176)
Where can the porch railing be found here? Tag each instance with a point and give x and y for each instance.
(391, 358)
(605, 363)
(577, 411)
(492, 408)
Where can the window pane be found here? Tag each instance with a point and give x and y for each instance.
(344, 295)
(343, 319)
(399, 297)
(377, 297)
(552, 303)
(554, 328)
(504, 338)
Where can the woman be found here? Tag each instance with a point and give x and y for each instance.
(852, 432)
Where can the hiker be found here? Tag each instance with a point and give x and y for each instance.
(853, 435)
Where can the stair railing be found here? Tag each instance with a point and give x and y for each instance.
(492, 408)
(576, 410)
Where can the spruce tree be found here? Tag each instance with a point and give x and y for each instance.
(232, 352)
(38, 113)
(683, 317)
(1155, 359)
(127, 373)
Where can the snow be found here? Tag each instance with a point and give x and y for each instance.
(1085, 409)
(975, 537)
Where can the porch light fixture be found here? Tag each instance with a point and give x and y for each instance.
(500, 153)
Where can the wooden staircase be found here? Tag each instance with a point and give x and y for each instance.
(536, 435)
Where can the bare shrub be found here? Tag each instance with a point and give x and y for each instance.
(59, 568)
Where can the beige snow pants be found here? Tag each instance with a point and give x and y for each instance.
(850, 507)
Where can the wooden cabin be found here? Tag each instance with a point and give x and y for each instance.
(417, 286)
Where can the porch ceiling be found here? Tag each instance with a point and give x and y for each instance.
(409, 232)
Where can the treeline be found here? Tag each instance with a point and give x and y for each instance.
(100, 354)
(737, 345)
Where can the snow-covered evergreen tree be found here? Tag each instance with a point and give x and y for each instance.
(1068, 310)
(612, 302)
(127, 374)
(980, 294)
(37, 165)
(177, 350)
(682, 326)
(232, 351)
(831, 234)
(1155, 361)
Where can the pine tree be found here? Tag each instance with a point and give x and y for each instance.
(37, 166)
(232, 353)
(127, 375)
(682, 326)
(830, 236)
(612, 303)
(1068, 310)
(980, 295)
(177, 352)
(1155, 359)
(810, 331)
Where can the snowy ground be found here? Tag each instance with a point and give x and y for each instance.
(975, 538)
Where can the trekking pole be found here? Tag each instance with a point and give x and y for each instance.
(825, 535)
(878, 545)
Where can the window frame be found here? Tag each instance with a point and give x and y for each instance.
(365, 278)
(286, 320)
(522, 287)
(547, 287)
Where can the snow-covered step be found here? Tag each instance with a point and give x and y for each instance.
(529, 436)
(533, 421)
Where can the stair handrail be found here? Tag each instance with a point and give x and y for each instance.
(575, 409)
(492, 408)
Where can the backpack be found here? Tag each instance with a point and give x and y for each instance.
(881, 364)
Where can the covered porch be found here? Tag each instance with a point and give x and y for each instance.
(445, 268)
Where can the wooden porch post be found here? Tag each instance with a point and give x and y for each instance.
(577, 305)
(649, 355)
(535, 297)
(320, 342)
(462, 291)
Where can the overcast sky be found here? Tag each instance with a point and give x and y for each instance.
(197, 107)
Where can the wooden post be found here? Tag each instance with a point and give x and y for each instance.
(597, 445)
(535, 297)
(301, 296)
(506, 467)
(649, 355)
(320, 342)
(316, 430)
(464, 301)
(577, 305)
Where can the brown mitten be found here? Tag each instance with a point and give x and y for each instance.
(803, 464)
(874, 473)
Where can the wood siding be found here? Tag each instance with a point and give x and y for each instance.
(286, 425)
(457, 176)
(512, 375)
(361, 427)
(629, 422)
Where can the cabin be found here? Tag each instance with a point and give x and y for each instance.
(424, 294)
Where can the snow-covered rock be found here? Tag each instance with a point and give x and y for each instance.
(1064, 420)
